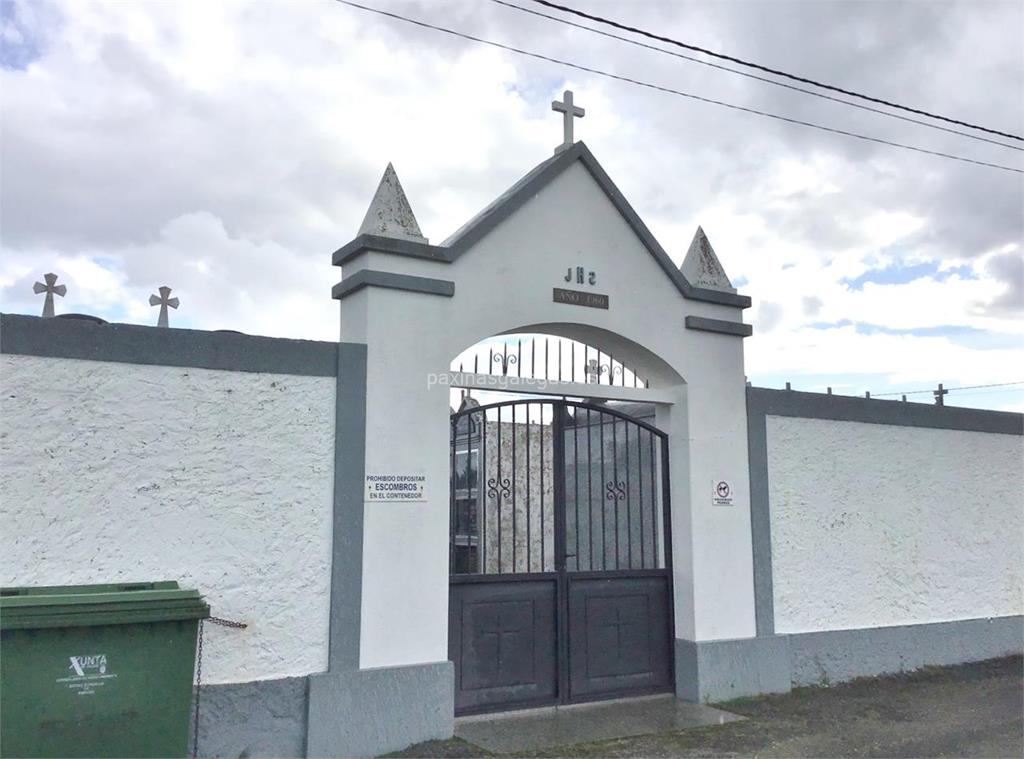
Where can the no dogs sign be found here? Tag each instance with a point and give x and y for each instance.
(721, 492)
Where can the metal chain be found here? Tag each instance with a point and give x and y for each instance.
(199, 680)
(199, 672)
(227, 623)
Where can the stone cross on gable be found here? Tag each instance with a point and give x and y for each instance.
(163, 300)
(49, 288)
(568, 111)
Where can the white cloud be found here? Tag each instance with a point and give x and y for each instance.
(226, 149)
(907, 361)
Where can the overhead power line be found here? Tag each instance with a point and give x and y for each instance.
(733, 106)
(951, 389)
(756, 77)
(776, 72)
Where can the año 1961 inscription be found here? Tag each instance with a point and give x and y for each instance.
(580, 298)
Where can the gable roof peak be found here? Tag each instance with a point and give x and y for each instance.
(701, 266)
(390, 214)
(522, 192)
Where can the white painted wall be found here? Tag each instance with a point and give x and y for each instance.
(220, 480)
(875, 525)
(504, 284)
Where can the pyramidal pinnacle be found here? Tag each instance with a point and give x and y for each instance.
(701, 266)
(390, 214)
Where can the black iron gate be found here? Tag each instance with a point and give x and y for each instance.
(560, 556)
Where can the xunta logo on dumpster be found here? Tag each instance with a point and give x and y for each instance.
(87, 673)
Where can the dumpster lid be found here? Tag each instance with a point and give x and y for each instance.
(112, 604)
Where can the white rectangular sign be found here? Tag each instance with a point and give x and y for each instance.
(721, 492)
(395, 488)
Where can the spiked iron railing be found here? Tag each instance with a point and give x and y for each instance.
(541, 357)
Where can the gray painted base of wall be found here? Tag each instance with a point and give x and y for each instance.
(719, 670)
(373, 711)
(828, 657)
(261, 718)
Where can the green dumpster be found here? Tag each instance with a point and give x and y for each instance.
(97, 670)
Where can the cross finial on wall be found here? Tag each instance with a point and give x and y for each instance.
(163, 300)
(49, 288)
(568, 111)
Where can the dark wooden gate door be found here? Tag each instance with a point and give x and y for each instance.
(560, 556)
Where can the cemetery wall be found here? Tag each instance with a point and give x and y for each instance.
(887, 536)
(123, 470)
(916, 525)
(882, 535)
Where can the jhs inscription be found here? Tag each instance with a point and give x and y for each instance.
(591, 276)
(580, 298)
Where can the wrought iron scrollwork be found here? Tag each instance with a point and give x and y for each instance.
(505, 361)
(499, 489)
(615, 491)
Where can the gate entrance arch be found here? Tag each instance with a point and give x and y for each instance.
(560, 555)
(407, 308)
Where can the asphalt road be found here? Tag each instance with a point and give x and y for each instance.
(973, 710)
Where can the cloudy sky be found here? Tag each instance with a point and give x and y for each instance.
(227, 148)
